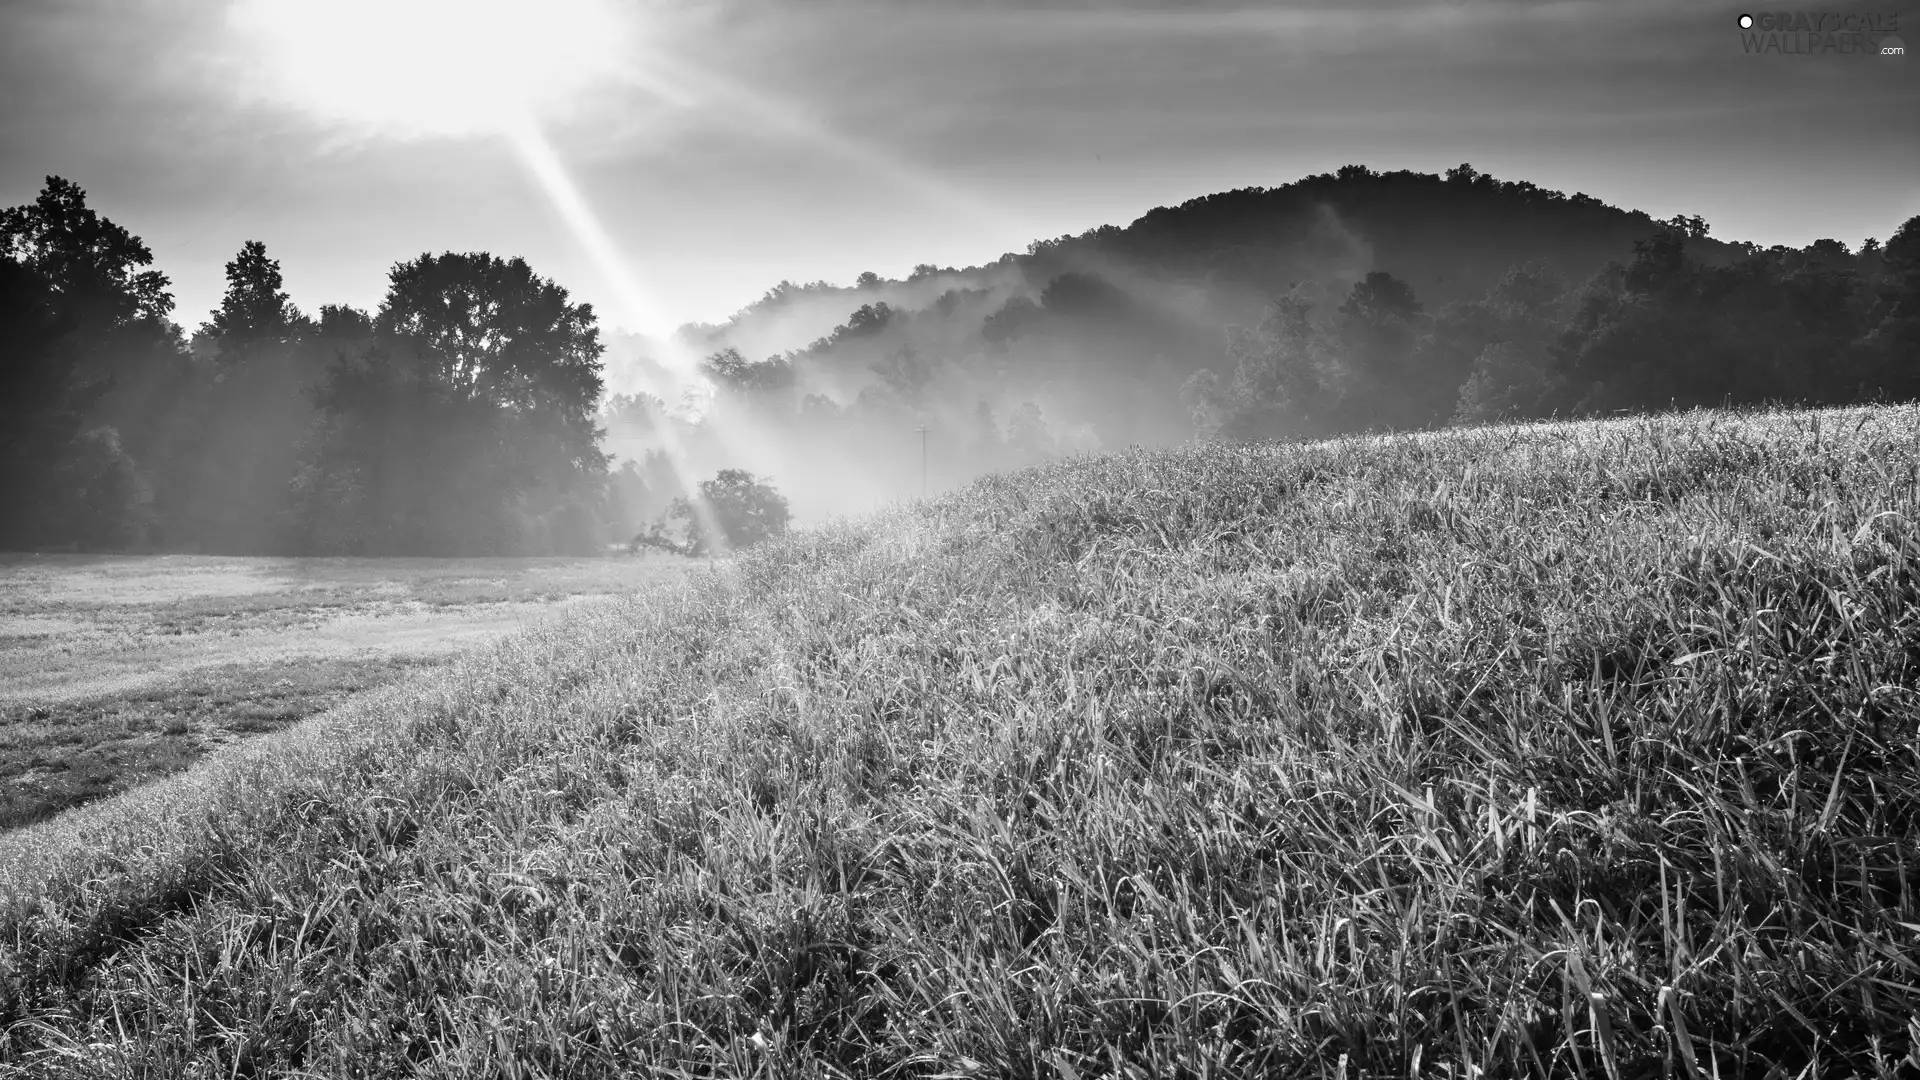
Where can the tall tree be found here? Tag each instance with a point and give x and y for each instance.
(1507, 340)
(1774, 326)
(1890, 352)
(495, 330)
(469, 426)
(255, 308)
(98, 342)
(1281, 384)
(90, 262)
(769, 382)
(237, 456)
(1373, 332)
(60, 482)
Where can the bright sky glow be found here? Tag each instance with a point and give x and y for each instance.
(428, 67)
(639, 310)
(725, 145)
(465, 68)
(690, 86)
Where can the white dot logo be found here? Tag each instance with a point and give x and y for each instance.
(1746, 22)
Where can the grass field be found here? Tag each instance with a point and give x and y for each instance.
(1575, 750)
(114, 671)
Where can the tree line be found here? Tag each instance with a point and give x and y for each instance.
(1823, 325)
(1349, 302)
(465, 415)
(457, 419)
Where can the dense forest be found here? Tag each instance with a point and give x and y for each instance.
(457, 419)
(470, 412)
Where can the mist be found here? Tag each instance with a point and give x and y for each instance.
(481, 410)
(1080, 344)
(1343, 303)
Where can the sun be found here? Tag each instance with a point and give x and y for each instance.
(428, 67)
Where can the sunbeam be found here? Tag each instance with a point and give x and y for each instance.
(417, 69)
(670, 78)
(537, 154)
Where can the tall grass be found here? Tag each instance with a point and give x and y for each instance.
(1572, 750)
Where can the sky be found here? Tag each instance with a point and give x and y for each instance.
(670, 160)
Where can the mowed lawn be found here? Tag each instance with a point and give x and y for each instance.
(1572, 750)
(116, 670)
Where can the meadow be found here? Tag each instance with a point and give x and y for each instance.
(117, 670)
(1580, 749)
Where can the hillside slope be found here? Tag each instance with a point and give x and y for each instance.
(1336, 305)
(1579, 749)
(1221, 257)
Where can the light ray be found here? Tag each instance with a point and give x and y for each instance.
(670, 78)
(537, 154)
(685, 85)
(417, 68)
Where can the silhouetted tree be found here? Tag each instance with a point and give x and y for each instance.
(746, 510)
(255, 308)
(237, 442)
(98, 357)
(468, 427)
(1380, 296)
(768, 383)
(868, 319)
(343, 326)
(61, 482)
(1284, 383)
(1507, 340)
(1087, 296)
(1016, 317)
(1372, 338)
(1507, 383)
(492, 330)
(90, 263)
(1889, 353)
(1775, 325)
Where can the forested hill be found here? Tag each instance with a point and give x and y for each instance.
(1344, 302)
(1222, 257)
(469, 414)
(1449, 237)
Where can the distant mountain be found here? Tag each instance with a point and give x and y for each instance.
(1342, 302)
(1219, 258)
